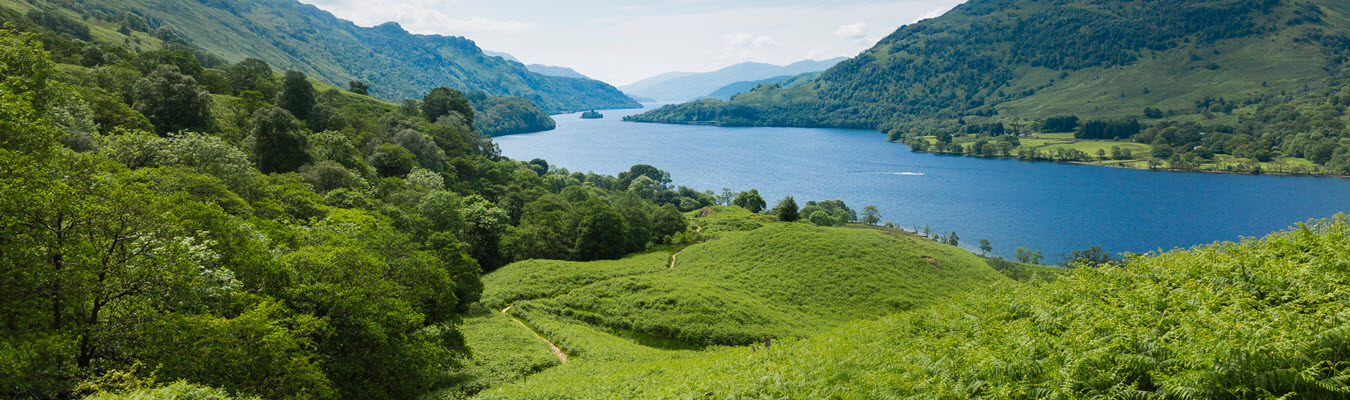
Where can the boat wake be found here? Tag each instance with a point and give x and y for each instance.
(892, 173)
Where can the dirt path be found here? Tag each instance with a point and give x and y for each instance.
(672, 258)
(556, 351)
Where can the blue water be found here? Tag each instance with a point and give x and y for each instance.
(1050, 207)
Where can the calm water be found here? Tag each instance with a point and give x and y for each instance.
(1050, 207)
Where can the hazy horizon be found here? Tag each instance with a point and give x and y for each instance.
(622, 43)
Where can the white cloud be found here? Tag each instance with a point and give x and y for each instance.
(937, 12)
(422, 16)
(853, 31)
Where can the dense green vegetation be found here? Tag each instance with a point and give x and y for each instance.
(391, 63)
(497, 116)
(592, 114)
(175, 226)
(1224, 85)
(1257, 319)
(309, 242)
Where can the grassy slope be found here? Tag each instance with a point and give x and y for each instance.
(502, 352)
(786, 280)
(779, 280)
(1259, 319)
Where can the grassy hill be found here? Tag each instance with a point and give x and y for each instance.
(1265, 70)
(291, 35)
(757, 278)
(1257, 319)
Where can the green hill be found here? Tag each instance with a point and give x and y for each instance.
(785, 279)
(292, 35)
(1263, 71)
(1258, 319)
(752, 278)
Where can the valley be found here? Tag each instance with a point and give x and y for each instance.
(254, 200)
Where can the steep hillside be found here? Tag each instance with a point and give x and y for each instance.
(988, 57)
(1258, 319)
(396, 64)
(680, 86)
(1267, 74)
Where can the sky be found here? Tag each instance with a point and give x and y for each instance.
(621, 42)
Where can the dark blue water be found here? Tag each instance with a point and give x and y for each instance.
(1050, 207)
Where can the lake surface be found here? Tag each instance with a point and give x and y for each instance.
(1054, 208)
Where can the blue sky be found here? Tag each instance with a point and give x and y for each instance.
(620, 42)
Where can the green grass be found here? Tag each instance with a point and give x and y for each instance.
(785, 279)
(503, 351)
(535, 279)
(1258, 319)
(725, 219)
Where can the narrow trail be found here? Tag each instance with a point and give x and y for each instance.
(672, 258)
(556, 351)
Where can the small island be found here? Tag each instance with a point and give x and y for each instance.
(592, 115)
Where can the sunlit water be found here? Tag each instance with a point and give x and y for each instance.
(1043, 206)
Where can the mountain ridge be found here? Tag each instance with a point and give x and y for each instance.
(684, 86)
(395, 63)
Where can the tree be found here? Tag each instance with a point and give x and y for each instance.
(871, 215)
(668, 221)
(278, 144)
(172, 101)
(662, 178)
(985, 247)
(953, 240)
(750, 201)
(1027, 256)
(391, 160)
(484, 224)
(1092, 257)
(358, 87)
(726, 197)
(787, 210)
(252, 75)
(600, 232)
(442, 101)
(297, 95)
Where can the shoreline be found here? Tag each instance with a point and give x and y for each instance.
(1203, 171)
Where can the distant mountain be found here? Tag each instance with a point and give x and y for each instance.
(684, 86)
(396, 64)
(555, 71)
(729, 91)
(539, 68)
(505, 56)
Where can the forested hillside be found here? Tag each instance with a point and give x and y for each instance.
(290, 35)
(1266, 75)
(262, 235)
(503, 115)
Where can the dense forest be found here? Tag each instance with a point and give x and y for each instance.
(295, 36)
(1024, 63)
(158, 211)
(497, 116)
